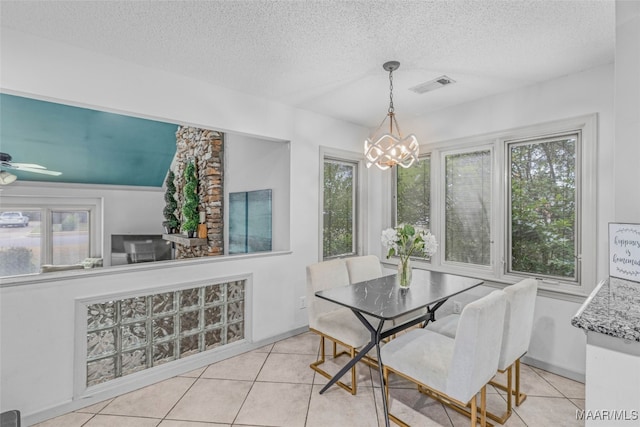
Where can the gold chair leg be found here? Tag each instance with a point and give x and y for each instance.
(460, 408)
(511, 392)
(520, 397)
(322, 353)
(470, 409)
(316, 367)
(474, 411)
(483, 406)
(354, 383)
(335, 350)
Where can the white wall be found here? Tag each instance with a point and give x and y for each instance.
(627, 148)
(555, 344)
(37, 319)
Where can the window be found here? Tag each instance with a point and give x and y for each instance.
(413, 194)
(342, 193)
(339, 208)
(467, 231)
(513, 204)
(542, 206)
(69, 233)
(34, 235)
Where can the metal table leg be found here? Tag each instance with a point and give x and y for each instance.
(376, 337)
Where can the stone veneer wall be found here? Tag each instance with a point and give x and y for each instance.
(205, 147)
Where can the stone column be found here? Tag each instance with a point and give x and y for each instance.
(206, 149)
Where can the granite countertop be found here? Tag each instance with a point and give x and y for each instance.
(613, 308)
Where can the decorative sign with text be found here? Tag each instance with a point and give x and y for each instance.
(624, 251)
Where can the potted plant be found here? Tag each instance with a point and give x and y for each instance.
(170, 223)
(191, 200)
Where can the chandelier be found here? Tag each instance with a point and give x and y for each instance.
(386, 147)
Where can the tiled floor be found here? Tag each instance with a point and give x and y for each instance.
(274, 386)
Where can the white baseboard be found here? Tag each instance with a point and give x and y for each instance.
(563, 372)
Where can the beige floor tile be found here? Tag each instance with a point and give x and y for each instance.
(286, 393)
(116, 420)
(578, 402)
(95, 408)
(174, 423)
(275, 404)
(287, 368)
(242, 367)
(548, 411)
(211, 400)
(264, 349)
(341, 350)
(332, 366)
(337, 407)
(495, 404)
(195, 373)
(73, 419)
(533, 384)
(306, 343)
(459, 420)
(414, 408)
(568, 387)
(395, 381)
(154, 401)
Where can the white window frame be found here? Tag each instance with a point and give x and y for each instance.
(459, 266)
(359, 200)
(51, 204)
(508, 222)
(586, 200)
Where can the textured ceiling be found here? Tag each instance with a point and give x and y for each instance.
(327, 56)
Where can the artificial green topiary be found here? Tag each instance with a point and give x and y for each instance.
(191, 199)
(171, 221)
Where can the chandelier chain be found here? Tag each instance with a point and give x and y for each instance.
(391, 91)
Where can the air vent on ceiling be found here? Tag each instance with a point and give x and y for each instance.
(432, 85)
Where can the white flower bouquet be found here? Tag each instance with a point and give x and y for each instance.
(405, 241)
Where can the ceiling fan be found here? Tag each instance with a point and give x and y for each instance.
(7, 178)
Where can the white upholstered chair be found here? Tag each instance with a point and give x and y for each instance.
(521, 299)
(331, 321)
(454, 369)
(363, 268)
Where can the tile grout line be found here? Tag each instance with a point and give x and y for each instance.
(313, 383)
(253, 383)
(195, 380)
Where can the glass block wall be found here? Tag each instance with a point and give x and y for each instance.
(128, 335)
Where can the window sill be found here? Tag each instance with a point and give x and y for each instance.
(42, 278)
(545, 290)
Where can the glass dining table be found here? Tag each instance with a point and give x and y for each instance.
(383, 300)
